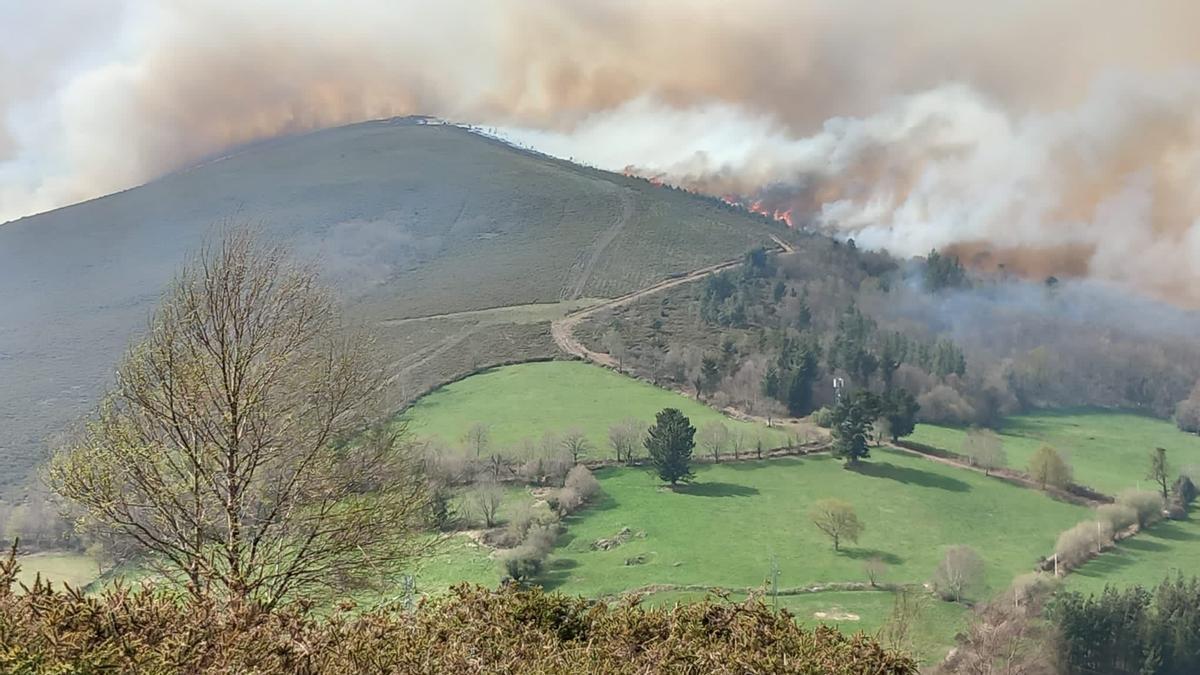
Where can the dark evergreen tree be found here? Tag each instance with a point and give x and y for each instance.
(1130, 630)
(670, 443)
(853, 419)
(757, 264)
(710, 373)
(943, 271)
(900, 408)
(849, 352)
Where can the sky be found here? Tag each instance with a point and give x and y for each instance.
(1053, 136)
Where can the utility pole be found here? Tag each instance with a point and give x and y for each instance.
(775, 582)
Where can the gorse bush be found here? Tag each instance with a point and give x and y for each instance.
(471, 630)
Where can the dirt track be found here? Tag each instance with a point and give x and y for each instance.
(563, 330)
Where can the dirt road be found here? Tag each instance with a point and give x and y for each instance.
(563, 330)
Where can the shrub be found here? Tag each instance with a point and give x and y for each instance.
(469, 631)
(944, 405)
(518, 526)
(1146, 504)
(1048, 467)
(1033, 585)
(441, 508)
(565, 501)
(581, 480)
(823, 418)
(1184, 489)
(523, 563)
(1083, 541)
(526, 560)
(533, 471)
(1187, 414)
(959, 573)
(1118, 516)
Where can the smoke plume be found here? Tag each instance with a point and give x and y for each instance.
(1049, 136)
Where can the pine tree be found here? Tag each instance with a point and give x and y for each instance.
(852, 423)
(670, 443)
(900, 408)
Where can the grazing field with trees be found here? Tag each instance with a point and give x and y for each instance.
(1107, 451)
(520, 404)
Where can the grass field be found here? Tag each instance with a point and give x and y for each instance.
(1109, 450)
(76, 569)
(856, 612)
(525, 401)
(725, 529)
(1165, 550)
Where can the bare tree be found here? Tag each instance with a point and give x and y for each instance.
(836, 519)
(737, 440)
(713, 437)
(908, 607)
(499, 464)
(614, 345)
(484, 500)
(959, 573)
(576, 444)
(227, 449)
(1160, 472)
(625, 437)
(874, 568)
(985, 450)
(478, 438)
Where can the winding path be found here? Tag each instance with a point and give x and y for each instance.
(563, 330)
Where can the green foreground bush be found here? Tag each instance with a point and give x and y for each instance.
(472, 630)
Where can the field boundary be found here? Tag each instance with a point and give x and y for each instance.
(1081, 497)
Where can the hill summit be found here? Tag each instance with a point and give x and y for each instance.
(436, 235)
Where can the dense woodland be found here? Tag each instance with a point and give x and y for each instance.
(773, 335)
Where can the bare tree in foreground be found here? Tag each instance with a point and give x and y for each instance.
(229, 449)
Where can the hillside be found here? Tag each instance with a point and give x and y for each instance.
(406, 220)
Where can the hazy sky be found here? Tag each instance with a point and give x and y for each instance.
(1058, 136)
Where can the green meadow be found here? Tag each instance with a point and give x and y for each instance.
(525, 401)
(1108, 450)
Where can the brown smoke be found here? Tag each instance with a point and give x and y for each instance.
(994, 127)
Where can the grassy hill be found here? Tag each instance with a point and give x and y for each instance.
(405, 220)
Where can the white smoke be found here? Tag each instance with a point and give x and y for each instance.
(1055, 136)
(1111, 179)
